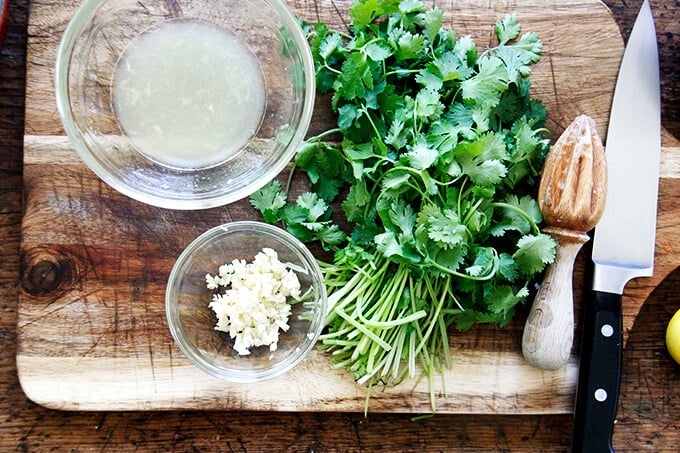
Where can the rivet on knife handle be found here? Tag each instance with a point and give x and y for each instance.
(571, 196)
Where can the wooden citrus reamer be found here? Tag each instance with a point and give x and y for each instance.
(571, 196)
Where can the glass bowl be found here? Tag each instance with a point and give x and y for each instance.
(186, 104)
(192, 322)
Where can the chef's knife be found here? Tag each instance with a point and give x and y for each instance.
(623, 246)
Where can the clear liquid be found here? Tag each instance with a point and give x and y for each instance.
(188, 94)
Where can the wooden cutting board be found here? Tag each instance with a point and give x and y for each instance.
(92, 333)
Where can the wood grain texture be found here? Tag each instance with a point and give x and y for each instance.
(571, 196)
(649, 407)
(549, 330)
(95, 263)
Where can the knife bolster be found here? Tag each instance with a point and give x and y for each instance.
(612, 277)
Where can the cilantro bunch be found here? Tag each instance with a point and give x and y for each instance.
(440, 152)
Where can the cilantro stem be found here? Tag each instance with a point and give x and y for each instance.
(471, 211)
(446, 270)
(410, 170)
(401, 71)
(434, 316)
(289, 182)
(343, 34)
(363, 329)
(412, 354)
(394, 356)
(340, 342)
(398, 284)
(331, 69)
(522, 212)
(324, 134)
(378, 135)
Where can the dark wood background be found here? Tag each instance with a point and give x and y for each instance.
(649, 408)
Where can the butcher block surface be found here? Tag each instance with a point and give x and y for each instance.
(92, 332)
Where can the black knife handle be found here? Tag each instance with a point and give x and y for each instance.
(599, 374)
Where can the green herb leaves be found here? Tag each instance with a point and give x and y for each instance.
(435, 173)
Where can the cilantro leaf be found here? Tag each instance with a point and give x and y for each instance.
(352, 78)
(444, 135)
(452, 65)
(536, 113)
(314, 205)
(387, 244)
(530, 46)
(378, 51)
(357, 198)
(421, 156)
(411, 6)
(330, 44)
(364, 12)
(398, 134)
(442, 226)
(485, 260)
(482, 160)
(434, 18)
(520, 215)
(430, 80)
(403, 217)
(451, 258)
(294, 214)
(527, 141)
(507, 267)
(508, 29)
(488, 83)
(395, 180)
(269, 197)
(517, 61)
(269, 200)
(409, 45)
(428, 105)
(534, 252)
(325, 167)
(468, 318)
(460, 115)
(399, 249)
(502, 299)
(347, 114)
(332, 235)
(466, 51)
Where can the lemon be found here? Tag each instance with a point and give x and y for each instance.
(673, 337)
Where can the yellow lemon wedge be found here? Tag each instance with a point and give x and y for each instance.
(673, 337)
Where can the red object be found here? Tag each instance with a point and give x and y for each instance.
(4, 6)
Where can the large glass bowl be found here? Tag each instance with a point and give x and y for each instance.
(192, 322)
(96, 41)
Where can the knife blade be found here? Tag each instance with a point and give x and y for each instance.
(623, 244)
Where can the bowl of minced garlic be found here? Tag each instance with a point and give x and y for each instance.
(246, 301)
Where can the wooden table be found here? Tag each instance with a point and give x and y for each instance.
(648, 417)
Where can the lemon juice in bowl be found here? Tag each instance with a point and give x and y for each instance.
(188, 94)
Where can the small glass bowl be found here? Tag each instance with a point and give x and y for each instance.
(192, 322)
(87, 69)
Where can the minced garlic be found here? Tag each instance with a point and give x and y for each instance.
(254, 305)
